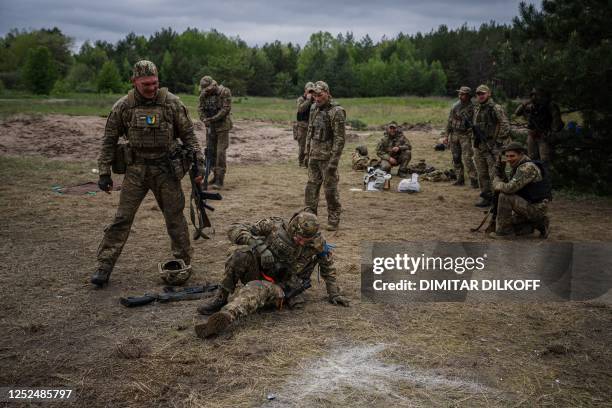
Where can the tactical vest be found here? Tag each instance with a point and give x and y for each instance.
(150, 126)
(539, 118)
(303, 116)
(538, 191)
(457, 120)
(281, 245)
(486, 119)
(322, 125)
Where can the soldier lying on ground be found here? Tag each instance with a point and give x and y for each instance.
(275, 259)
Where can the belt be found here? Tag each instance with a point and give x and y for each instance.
(151, 162)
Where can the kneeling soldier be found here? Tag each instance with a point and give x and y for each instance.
(278, 258)
(394, 149)
(523, 201)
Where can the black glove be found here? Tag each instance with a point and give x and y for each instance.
(105, 182)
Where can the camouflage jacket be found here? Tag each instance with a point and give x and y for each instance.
(326, 132)
(216, 107)
(298, 261)
(456, 118)
(151, 127)
(523, 173)
(303, 110)
(359, 162)
(383, 149)
(541, 117)
(492, 120)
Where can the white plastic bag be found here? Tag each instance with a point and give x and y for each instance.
(410, 185)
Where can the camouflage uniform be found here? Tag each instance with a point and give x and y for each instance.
(152, 128)
(214, 108)
(403, 156)
(543, 118)
(514, 208)
(492, 120)
(360, 159)
(301, 125)
(460, 140)
(292, 264)
(324, 145)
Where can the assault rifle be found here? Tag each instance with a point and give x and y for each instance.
(170, 294)
(199, 195)
(479, 136)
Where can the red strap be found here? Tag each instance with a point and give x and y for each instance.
(268, 278)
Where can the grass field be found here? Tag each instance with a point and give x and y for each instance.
(372, 111)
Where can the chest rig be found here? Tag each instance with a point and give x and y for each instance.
(211, 105)
(459, 113)
(150, 126)
(321, 124)
(486, 119)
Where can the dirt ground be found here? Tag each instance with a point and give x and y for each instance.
(60, 332)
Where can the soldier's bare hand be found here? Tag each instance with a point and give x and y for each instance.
(340, 300)
(395, 149)
(392, 161)
(199, 179)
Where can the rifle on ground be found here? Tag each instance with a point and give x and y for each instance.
(199, 195)
(170, 294)
(491, 212)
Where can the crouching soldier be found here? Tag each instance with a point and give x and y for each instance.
(360, 159)
(523, 201)
(277, 260)
(394, 149)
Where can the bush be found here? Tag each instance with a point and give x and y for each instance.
(109, 79)
(357, 124)
(61, 87)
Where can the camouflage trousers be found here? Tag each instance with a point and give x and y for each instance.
(318, 175)
(301, 130)
(166, 188)
(242, 266)
(513, 210)
(463, 155)
(403, 159)
(219, 142)
(538, 147)
(484, 161)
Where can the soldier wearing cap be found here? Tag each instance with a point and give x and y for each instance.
(523, 200)
(394, 149)
(276, 258)
(214, 108)
(304, 103)
(543, 119)
(324, 145)
(459, 137)
(492, 121)
(153, 121)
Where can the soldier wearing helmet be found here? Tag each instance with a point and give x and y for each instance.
(214, 108)
(276, 257)
(304, 103)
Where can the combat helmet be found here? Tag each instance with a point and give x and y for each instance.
(174, 271)
(362, 150)
(304, 224)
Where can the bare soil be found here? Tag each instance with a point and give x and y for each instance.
(60, 332)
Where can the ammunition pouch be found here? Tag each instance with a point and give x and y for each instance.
(180, 161)
(121, 158)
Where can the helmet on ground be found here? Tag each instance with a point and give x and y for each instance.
(362, 150)
(174, 271)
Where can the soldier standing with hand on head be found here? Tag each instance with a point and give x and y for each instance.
(493, 123)
(152, 119)
(324, 145)
(304, 103)
(214, 109)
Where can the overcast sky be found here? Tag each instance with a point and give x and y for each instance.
(255, 21)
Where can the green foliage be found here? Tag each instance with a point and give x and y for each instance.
(357, 124)
(2, 87)
(109, 79)
(39, 70)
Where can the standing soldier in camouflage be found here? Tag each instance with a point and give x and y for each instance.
(152, 120)
(324, 144)
(459, 137)
(214, 109)
(277, 257)
(523, 201)
(394, 149)
(492, 121)
(304, 103)
(543, 118)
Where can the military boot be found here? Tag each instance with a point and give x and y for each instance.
(486, 200)
(523, 229)
(332, 226)
(215, 303)
(215, 324)
(219, 177)
(543, 227)
(474, 183)
(101, 276)
(459, 182)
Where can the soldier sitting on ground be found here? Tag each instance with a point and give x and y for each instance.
(360, 158)
(276, 258)
(394, 149)
(523, 201)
